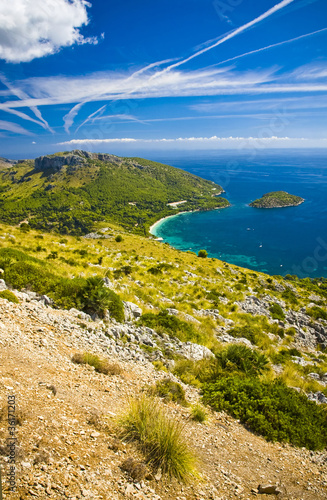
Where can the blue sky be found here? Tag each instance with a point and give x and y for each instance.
(129, 76)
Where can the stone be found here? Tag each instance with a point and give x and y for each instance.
(3, 285)
(269, 489)
(132, 311)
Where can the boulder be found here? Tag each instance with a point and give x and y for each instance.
(194, 351)
(269, 489)
(132, 311)
(3, 285)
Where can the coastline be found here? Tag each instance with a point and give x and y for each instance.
(180, 213)
(281, 206)
(168, 217)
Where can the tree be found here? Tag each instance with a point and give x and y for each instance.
(203, 253)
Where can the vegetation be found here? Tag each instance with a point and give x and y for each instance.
(130, 191)
(162, 439)
(171, 325)
(170, 391)
(153, 275)
(271, 409)
(100, 365)
(277, 199)
(8, 295)
(86, 294)
(277, 312)
(203, 253)
(198, 413)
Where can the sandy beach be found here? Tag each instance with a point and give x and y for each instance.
(164, 218)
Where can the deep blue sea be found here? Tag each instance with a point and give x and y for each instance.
(277, 241)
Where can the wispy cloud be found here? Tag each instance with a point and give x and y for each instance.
(278, 44)
(13, 127)
(108, 86)
(16, 91)
(69, 117)
(232, 34)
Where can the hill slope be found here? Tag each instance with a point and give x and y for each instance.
(69, 192)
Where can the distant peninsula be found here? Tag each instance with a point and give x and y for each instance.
(277, 199)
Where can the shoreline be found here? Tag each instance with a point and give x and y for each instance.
(151, 228)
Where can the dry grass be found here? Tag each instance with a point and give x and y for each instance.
(100, 365)
(161, 438)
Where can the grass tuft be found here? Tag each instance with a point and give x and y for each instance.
(198, 413)
(161, 438)
(100, 365)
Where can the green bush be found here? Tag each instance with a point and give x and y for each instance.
(240, 358)
(162, 438)
(277, 312)
(172, 325)
(251, 333)
(271, 409)
(28, 274)
(290, 296)
(203, 254)
(317, 312)
(284, 355)
(119, 238)
(170, 391)
(8, 295)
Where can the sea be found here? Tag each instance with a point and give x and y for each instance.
(277, 241)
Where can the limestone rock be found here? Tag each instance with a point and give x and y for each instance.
(132, 311)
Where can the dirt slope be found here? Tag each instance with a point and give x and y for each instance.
(67, 446)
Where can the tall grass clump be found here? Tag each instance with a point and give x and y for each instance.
(161, 438)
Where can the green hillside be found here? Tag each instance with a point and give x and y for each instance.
(69, 192)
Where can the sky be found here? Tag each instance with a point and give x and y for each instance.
(127, 76)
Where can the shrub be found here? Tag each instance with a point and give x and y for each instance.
(290, 296)
(171, 324)
(238, 357)
(277, 312)
(248, 332)
(199, 413)
(119, 238)
(317, 313)
(170, 391)
(203, 254)
(28, 274)
(158, 364)
(284, 355)
(8, 295)
(161, 438)
(89, 295)
(100, 365)
(271, 409)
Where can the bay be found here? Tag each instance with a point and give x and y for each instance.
(279, 241)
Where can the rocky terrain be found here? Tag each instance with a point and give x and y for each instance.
(68, 445)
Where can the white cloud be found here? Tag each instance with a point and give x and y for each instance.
(213, 139)
(35, 28)
(311, 72)
(13, 127)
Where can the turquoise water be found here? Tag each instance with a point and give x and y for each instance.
(281, 241)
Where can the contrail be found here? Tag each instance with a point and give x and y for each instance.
(230, 35)
(91, 116)
(22, 95)
(271, 46)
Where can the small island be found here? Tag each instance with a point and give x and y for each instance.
(277, 199)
